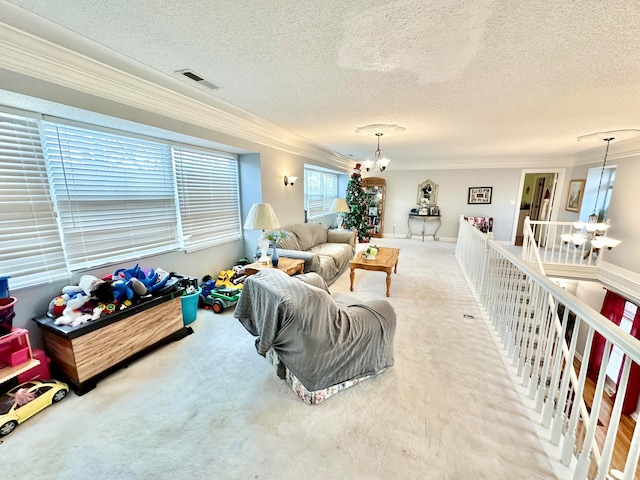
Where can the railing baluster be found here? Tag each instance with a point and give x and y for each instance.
(532, 327)
(583, 458)
(633, 455)
(546, 362)
(557, 359)
(540, 324)
(614, 421)
(560, 416)
(570, 438)
(523, 308)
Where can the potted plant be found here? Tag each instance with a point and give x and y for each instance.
(370, 252)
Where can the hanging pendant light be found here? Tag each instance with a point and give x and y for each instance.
(378, 130)
(378, 161)
(594, 230)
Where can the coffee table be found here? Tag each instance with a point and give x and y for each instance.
(290, 266)
(386, 260)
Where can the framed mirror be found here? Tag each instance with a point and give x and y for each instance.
(427, 194)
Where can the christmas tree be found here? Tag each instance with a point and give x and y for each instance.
(357, 201)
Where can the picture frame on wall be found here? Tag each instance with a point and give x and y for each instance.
(480, 195)
(574, 197)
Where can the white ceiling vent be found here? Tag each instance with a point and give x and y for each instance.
(197, 78)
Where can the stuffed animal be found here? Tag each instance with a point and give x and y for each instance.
(76, 297)
(122, 291)
(57, 305)
(152, 280)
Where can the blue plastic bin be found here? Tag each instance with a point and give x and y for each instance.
(189, 305)
(4, 286)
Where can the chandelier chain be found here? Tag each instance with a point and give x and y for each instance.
(604, 162)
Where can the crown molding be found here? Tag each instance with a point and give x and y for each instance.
(487, 163)
(617, 151)
(622, 281)
(32, 56)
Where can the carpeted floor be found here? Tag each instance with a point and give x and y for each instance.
(209, 407)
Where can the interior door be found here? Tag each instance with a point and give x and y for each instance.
(538, 191)
(537, 198)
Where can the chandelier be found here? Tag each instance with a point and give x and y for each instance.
(378, 130)
(594, 230)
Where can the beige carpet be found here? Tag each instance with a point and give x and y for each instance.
(209, 407)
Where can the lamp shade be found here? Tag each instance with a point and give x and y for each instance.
(261, 217)
(339, 205)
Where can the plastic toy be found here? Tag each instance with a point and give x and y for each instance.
(27, 399)
(207, 286)
(226, 279)
(222, 298)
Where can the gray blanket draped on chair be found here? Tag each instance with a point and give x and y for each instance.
(323, 339)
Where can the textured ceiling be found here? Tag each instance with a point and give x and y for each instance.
(470, 80)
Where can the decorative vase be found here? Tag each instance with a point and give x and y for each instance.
(274, 256)
(370, 257)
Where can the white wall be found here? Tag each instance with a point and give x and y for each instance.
(453, 189)
(623, 211)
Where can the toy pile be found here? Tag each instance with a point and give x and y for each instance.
(225, 290)
(7, 303)
(94, 297)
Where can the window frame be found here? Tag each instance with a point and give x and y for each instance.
(67, 267)
(328, 191)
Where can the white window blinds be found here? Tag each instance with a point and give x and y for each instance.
(320, 190)
(208, 197)
(114, 195)
(31, 250)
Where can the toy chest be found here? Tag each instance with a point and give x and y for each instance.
(39, 372)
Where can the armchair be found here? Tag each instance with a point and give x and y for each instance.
(323, 342)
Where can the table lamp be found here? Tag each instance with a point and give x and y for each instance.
(339, 206)
(262, 217)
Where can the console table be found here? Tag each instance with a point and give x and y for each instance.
(88, 352)
(424, 219)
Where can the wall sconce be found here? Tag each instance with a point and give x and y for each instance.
(290, 180)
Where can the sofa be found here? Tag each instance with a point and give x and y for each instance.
(320, 343)
(325, 252)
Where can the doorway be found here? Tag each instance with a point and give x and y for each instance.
(537, 194)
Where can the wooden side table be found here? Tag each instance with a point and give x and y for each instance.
(290, 266)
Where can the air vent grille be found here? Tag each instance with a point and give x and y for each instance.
(197, 78)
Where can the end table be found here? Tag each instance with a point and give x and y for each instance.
(290, 266)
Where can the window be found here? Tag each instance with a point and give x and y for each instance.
(599, 189)
(114, 195)
(320, 190)
(30, 251)
(615, 360)
(74, 197)
(208, 197)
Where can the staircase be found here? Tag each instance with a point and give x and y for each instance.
(546, 335)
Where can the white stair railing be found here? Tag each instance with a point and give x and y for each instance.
(546, 332)
(561, 258)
